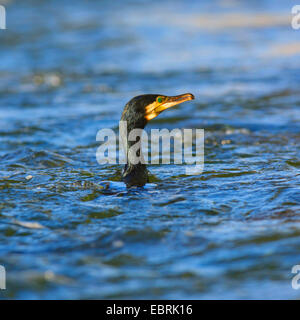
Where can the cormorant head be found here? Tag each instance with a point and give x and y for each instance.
(137, 112)
(141, 109)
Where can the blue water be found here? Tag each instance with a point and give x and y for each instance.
(67, 68)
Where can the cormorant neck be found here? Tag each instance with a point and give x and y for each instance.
(135, 175)
(135, 172)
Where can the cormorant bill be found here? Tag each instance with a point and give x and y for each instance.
(137, 112)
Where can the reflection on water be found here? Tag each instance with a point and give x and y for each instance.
(231, 232)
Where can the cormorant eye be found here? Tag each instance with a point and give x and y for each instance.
(159, 99)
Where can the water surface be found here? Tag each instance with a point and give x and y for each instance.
(67, 68)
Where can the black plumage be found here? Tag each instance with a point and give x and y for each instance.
(137, 112)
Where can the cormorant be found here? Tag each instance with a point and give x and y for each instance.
(137, 112)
